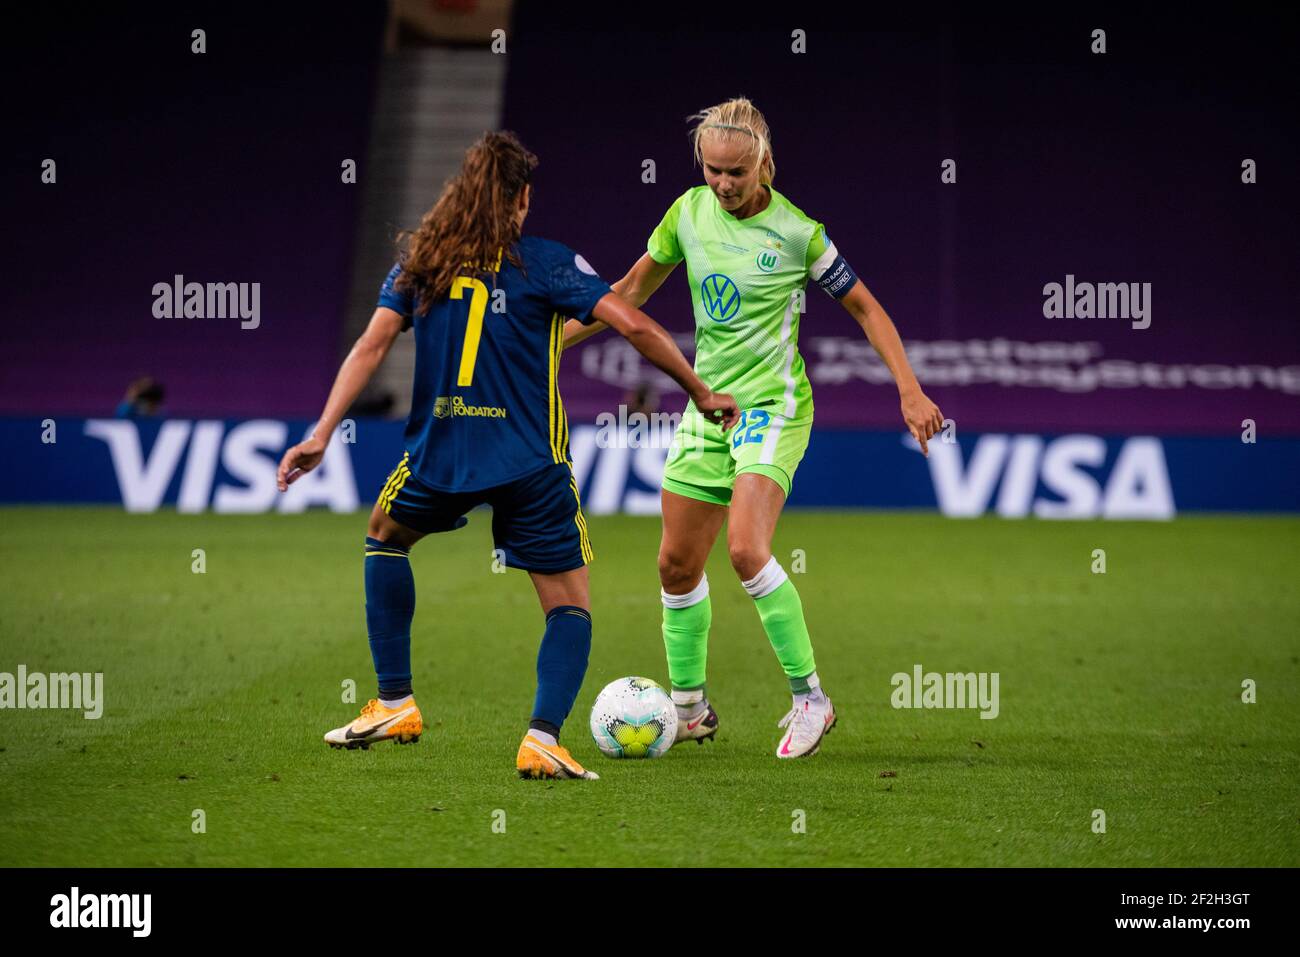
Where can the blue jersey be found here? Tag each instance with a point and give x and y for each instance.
(486, 405)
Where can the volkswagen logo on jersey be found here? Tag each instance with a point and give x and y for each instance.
(720, 296)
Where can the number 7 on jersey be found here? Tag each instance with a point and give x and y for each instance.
(474, 326)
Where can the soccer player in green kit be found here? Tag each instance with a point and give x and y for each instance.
(749, 254)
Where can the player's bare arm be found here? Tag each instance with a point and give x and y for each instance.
(366, 356)
(653, 341)
(923, 418)
(640, 283)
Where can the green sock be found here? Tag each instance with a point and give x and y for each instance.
(686, 635)
(782, 614)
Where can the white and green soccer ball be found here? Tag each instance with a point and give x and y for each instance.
(633, 718)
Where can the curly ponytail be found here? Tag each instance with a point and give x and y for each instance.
(474, 222)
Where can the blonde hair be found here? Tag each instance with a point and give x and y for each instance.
(736, 119)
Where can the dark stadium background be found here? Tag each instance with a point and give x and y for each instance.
(1119, 167)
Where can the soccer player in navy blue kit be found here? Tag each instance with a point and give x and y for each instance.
(487, 426)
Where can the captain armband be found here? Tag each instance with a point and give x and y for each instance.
(832, 273)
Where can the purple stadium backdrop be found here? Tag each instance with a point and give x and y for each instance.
(213, 179)
(1062, 169)
(1116, 169)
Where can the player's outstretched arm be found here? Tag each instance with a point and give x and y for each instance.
(653, 341)
(366, 356)
(922, 416)
(640, 283)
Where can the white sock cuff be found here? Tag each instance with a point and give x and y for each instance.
(769, 579)
(814, 685)
(692, 597)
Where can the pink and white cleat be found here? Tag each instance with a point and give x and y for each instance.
(805, 727)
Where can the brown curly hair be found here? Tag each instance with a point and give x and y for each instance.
(473, 223)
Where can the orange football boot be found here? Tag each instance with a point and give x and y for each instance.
(376, 723)
(538, 760)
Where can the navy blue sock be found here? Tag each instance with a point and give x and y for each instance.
(390, 606)
(561, 665)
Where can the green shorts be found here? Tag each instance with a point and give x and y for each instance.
(704, 461)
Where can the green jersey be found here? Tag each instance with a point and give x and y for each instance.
(747, 279)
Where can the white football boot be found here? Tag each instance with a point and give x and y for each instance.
(699, 729)
(805, 727)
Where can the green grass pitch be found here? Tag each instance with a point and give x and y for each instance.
(1119, 691)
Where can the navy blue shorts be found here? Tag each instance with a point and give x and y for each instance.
(537, 520)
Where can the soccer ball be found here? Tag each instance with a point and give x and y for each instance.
(633, 718)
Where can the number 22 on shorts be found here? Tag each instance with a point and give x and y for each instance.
(753, 423)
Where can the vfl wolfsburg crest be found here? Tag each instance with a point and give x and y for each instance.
(767, 261)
